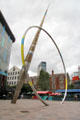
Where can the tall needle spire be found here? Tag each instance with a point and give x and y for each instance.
(27, 63)
(34, 42)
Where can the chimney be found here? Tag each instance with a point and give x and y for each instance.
(52, 72)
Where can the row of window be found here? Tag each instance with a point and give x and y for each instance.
(12, 78)
(13, 73)
(12, 83)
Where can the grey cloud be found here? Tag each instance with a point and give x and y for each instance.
(62, 22)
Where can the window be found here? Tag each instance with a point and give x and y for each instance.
(15, 73)
(13, 78)
(8, 73)
(13, 68)
(15, 83)
(5, 55)
(3, 39)
(12, 82)
(18, 77)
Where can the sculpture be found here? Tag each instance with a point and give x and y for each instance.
(26, 63)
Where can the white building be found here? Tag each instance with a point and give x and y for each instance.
(13, 76)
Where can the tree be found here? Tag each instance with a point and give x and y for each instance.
(71, 86)
(43, 82)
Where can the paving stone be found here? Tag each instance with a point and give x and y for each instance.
(27, 109)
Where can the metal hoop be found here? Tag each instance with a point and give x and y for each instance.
(22, 54)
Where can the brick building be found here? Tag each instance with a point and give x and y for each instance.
(57, 81)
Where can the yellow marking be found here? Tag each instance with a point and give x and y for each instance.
(30, 83)
(23, 36)
(22, 54)
(66, 84)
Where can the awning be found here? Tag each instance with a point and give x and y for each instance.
(3, 73)
(44, 92)
(53, 94)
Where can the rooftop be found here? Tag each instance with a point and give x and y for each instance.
(4, 23)
(69, 90)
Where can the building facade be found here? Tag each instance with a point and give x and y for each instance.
(76, 79)
(76, 75)
(57, 81)
(6, 40)
(13, 76)
(79, 71)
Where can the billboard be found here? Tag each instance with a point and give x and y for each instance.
(75, 78)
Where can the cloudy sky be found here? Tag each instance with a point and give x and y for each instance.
(62, 22)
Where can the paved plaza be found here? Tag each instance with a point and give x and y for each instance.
(35, 110)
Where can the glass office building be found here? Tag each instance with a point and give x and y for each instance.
(6, 40)
(41, 66)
